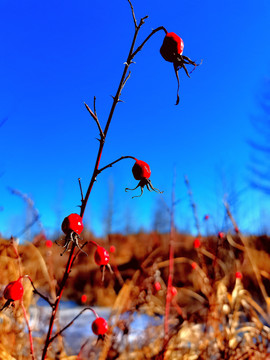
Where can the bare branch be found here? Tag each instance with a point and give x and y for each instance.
(96, 120)
(133, 14)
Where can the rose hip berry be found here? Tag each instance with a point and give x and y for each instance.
(141, 171)
(173, 291)
(73, 222)
(100, 327)
(221, 235)
(49, 243)
(172, 50)
(196, 243)
(72, 226)
(112, 249)
(14, 291)
(83, 299)
(101, 256)
(172, 46)
(157, 286)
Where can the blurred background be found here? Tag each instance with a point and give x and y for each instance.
(56, 56)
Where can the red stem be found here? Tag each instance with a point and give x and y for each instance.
(29, 331)
(170, 278)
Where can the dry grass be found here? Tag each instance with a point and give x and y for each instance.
(213, 316)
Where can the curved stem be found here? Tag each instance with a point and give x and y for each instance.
(72, 321)
(112, 163)
(139, 48)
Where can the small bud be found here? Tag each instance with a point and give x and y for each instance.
(194, 265)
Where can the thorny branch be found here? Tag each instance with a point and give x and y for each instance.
(96, 170)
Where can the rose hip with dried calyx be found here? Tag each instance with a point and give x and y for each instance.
(172, 51)
(141, 171)
(72, 226)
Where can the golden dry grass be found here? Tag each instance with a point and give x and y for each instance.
(213, 316)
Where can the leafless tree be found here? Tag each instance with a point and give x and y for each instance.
(259, 166)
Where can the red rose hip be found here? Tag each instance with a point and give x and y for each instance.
(73, 222)
(101, 256)
(172, 46)
(100, 326)
(141, 170)
(14, 291)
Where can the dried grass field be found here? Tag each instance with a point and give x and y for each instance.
(216, 307)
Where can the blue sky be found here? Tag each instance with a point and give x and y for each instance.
(54, 56)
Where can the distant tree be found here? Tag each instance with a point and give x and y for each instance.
(259, 167)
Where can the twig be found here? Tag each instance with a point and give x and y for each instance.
(37, 292)
(193, 206)
(80, 185)
(95, 111)
(94, 116)
(133, 14)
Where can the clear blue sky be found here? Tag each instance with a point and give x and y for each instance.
(54, 56)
